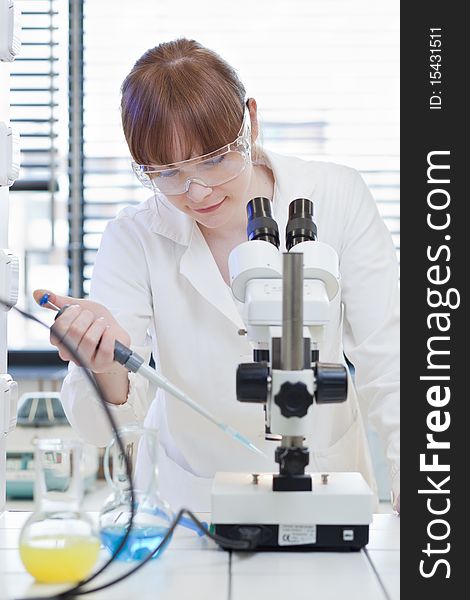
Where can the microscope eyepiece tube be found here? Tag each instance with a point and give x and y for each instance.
(292, 341)
(300, 226)
(261, 225)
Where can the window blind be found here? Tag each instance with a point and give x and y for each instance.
(38, 218)
(325, 75)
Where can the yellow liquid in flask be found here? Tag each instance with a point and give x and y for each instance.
(59, 559)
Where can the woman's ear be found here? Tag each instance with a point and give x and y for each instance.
(253, 110)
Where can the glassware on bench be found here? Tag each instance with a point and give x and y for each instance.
(58, 543)
(153, 515)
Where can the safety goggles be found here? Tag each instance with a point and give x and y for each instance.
(212, 169)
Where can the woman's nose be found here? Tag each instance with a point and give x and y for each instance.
(197, 192)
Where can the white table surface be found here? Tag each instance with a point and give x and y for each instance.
(195, 568)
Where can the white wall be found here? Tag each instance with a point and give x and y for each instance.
(4, 198)
(4, 110)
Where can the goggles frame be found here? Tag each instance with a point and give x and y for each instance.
(241, 144)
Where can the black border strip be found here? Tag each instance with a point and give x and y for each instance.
(433, 119)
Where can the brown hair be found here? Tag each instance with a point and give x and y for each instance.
(180, 95)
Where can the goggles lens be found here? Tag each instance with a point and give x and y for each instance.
(212, 169)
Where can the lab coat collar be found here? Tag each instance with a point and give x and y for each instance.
(293, 179)
(170, 222)
(200, 269)
(197, 263)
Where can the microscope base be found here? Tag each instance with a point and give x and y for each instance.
(334, 516)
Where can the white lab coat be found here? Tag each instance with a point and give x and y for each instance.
(156, 274)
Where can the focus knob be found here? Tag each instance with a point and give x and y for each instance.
(331, 382)
(293, 399)
(252, 382)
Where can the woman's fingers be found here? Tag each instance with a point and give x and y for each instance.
(87, 337)
(40, 297)
(90, 341)
(74, 323)
(104, 357)
(60, 327)
(77, 334)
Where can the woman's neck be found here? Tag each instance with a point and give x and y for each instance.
(223, 240)
(262, 184)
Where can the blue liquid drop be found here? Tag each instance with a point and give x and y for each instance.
(140, 543)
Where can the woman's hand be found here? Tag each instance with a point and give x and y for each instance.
(89, 329)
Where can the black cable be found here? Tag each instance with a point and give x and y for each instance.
(233, 544)
(228, 543)
(102, 397)
(77, 589)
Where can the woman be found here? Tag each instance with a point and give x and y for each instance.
(162, 274)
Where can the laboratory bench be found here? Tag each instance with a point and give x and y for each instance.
(195, 568)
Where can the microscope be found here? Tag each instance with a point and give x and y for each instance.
(286, 298)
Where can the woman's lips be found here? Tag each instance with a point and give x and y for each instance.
(209, 208)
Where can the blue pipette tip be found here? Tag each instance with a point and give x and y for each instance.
(245, 441)
(257, 450)
(44, 299)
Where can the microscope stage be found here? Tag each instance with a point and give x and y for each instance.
(334, 515)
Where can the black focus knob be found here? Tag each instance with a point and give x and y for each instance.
(252, 382)
(293, 399)
(332, 383)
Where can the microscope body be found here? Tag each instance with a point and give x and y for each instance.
(286, 299)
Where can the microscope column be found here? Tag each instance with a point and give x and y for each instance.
(291, 455)
(292, 341)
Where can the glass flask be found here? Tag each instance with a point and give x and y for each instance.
(58, 543)
(153, 515)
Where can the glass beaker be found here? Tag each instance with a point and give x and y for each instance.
(153, 515)
(58, 543)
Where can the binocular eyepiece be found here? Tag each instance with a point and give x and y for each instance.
(261, 225)
(300, 226)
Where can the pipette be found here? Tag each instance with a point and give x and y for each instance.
(135, 363)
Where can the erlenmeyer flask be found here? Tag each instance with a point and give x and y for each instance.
(153, 515)
(58, 543)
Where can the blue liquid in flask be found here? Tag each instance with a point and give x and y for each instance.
(140, 543)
